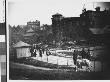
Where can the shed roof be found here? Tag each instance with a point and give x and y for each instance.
(21, 44)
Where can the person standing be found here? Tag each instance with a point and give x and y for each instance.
(31, 50)
(40, 53)
(75, 56)
(43, 50)
(88, 54)
(83, 53)
(47, 54)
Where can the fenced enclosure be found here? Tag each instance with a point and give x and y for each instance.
(65, 58)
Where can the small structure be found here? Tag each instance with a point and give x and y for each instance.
(22, 49)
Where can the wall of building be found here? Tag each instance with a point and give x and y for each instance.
(34, 24)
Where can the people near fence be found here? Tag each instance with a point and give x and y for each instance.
(34, 53)
(43, 50)
(47, 52)
(40, 53)
(31, 50)
(75, 56)
(83, 53)
(88, 54)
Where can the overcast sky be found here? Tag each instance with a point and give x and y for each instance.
(22, 11)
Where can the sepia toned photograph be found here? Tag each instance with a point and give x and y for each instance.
(58, 40)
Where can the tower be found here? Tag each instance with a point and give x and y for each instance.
(56, 25)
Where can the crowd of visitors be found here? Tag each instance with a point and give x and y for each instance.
(35, 48)
(83, 54)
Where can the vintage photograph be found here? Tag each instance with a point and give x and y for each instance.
(58, 40)
(2, 42)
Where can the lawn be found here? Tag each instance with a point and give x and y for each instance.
(55, 75)
(34, 62)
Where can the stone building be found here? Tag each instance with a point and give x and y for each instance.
(95, 19)
(90, 25)
(98, 22)
(34, 24)
(67, 28)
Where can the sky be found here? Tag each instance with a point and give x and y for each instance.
(22, 11)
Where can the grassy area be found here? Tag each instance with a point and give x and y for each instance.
(34, 62)
(55, 75)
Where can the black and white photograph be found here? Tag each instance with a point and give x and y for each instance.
(58, 40)
(2, 42)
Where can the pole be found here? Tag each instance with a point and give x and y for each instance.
(67, 61)
(47, 59)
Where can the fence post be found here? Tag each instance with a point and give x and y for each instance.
(67, 61)
(57, 60)
(47, 59)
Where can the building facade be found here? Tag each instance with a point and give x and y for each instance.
(34, 24)
(95, 19)
(66, 28)
(89, 24)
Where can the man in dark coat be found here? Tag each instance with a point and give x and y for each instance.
(83, 53)
(40, 53)
(43, 50)
(88, 54)
(75, 56)
(31, 50)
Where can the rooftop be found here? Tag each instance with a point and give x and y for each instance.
(21, 44)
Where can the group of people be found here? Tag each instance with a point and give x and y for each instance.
(35, 50)
(83, 54)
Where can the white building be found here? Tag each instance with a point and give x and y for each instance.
(22, 49)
